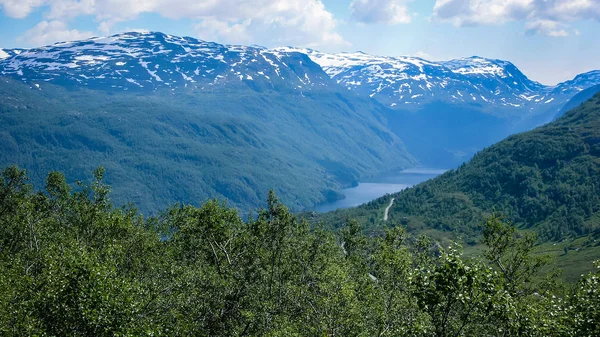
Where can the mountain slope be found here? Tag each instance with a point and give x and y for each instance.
(579, 99)
(218, 134)
(446, 135)
(547, 180)
(6, 53)
(579, 83)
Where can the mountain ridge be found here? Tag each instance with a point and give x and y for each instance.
(404, 81)
(153, 60)
(495, 86)
(162, 147)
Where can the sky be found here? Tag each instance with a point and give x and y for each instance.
(549, 40)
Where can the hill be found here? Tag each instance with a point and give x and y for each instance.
(161, 147)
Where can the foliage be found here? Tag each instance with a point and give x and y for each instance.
(72, 264)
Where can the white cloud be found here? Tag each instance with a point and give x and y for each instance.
(215, 29)
(380, 11)
(303, 22)
(548, 17)
(293, 22)
(19, 8)
(47, 32)
(546, 27)
(472, 12)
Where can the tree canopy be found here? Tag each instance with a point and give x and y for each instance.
(73, 264)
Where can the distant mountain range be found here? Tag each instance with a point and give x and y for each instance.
(403, 82)
(147, 61)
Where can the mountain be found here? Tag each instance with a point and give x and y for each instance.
(546, 180)
(149, 61)
(580, 83)
(182, 120)
(447, 111)
(444, 112)
(496, 85)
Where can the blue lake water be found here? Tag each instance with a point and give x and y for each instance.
(379, 186)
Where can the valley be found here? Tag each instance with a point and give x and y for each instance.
(241, 110)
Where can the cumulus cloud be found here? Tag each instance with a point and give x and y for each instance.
(380, 11)
(47, 32)
(304, 22)
(20, 8)
(215, 29)
(548, 17)
(295, 22)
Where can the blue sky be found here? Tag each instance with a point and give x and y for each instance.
(549, 40)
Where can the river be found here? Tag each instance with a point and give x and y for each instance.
(379, 186)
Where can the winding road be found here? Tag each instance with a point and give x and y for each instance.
(387, 209)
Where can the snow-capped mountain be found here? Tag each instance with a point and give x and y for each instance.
(579, 83)
(147, 61)
(154, 60)
(409, 81)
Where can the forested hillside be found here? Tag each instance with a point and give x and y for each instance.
(547, 180)
(162, 147)
(72, 264)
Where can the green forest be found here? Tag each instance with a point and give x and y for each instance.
(73, 264)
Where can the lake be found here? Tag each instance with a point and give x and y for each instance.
(379, 186)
